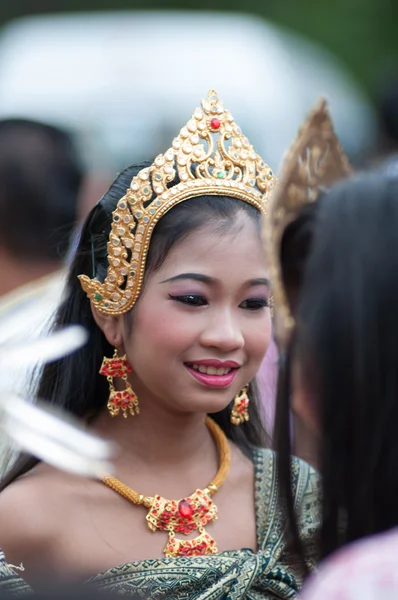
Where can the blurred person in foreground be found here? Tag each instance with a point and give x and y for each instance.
(337, 265)
(357, 427)
(171, 282)
(365, 570)
(314, 161)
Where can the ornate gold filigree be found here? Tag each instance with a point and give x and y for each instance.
(210, 156)
(184, 516)
(313, 163)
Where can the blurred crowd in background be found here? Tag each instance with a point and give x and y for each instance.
(118, 77)
(119, 80)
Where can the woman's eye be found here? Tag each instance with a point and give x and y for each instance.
(190, 299)
(254, 304)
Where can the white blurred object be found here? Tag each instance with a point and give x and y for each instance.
(127, 81)
(27, 314)
(44, 349)
(29, 309)
(42, 430)
(53, 438)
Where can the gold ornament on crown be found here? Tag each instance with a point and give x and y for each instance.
(313, 163)
(210, 156)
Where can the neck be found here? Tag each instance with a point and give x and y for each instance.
(15, 272)
(160, 440)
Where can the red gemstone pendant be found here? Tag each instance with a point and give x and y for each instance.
(185, 509)
(184, 516)
(215, 123)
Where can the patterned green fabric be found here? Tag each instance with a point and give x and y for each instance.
(267, 574)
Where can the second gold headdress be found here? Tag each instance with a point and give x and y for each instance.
(313, 163)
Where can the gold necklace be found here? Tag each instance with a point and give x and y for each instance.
(187, 514)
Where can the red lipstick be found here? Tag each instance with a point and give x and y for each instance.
(219, 381)
(213, 380)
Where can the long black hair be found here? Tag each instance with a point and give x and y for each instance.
(73, 382)
(295, 248)
(346, 344)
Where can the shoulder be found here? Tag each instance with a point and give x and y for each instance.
(366, 568)
(305, 480)
(29, 510)
(306, 493)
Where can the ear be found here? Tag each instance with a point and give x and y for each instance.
(111, 327)
(303, 403)
(305, 443)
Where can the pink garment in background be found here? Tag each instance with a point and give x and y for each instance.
(366, 570)
(267, 378)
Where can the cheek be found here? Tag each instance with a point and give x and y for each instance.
(161, 330)
(258, 338)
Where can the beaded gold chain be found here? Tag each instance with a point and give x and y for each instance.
(187, 514)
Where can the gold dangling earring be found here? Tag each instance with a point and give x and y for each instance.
(240, 412)
(124, 400)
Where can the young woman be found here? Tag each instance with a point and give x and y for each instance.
(170, 281)
(339, 269)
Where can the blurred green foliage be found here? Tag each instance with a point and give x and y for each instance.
(362, 33)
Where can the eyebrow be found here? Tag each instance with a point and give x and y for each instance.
(194, 276)
(210, 280)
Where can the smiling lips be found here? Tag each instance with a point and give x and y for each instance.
(213, 373)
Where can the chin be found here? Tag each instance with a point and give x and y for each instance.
(209, 407)
(202, 401)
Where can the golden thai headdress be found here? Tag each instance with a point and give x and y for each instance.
(210, 156)
(313, 163)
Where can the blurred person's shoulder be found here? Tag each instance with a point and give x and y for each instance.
(364, 569)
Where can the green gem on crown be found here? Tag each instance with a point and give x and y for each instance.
(220, 174)
(97, 297)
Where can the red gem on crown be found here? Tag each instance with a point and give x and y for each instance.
(215, 123)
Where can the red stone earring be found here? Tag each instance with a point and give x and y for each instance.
(240, 412)
(125, 400)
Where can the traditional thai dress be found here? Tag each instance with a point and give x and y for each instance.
(266, 574)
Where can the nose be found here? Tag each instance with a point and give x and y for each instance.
(223, 332)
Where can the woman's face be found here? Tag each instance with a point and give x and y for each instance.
(202, 324)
